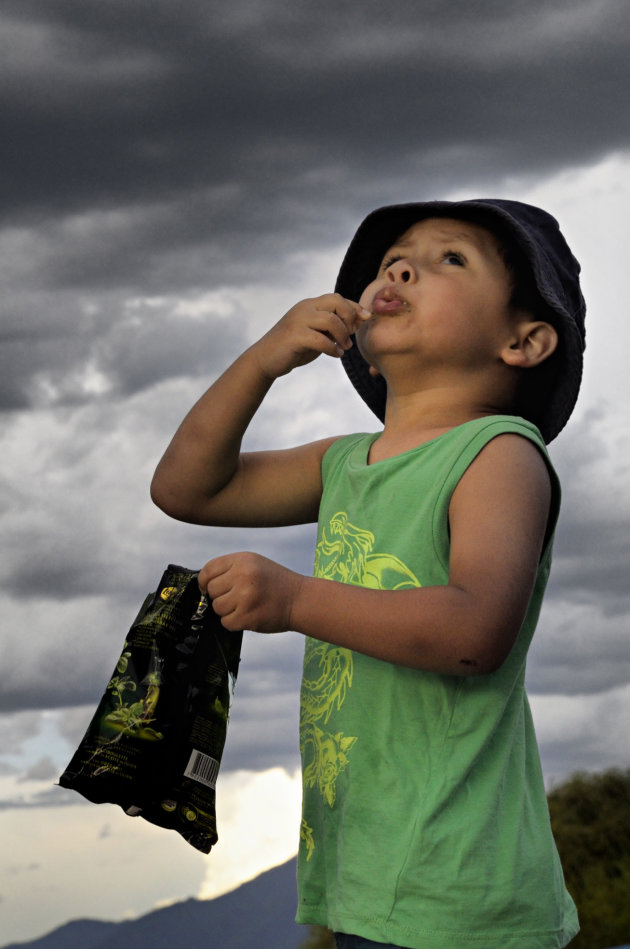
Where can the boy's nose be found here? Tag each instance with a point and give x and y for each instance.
(400, 270)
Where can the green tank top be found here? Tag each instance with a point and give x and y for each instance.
(425, 820)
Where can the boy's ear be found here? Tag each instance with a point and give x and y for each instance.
(533, 343)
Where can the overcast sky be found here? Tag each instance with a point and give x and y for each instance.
(172, 178)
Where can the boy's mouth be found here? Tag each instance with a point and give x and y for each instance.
(388, 300)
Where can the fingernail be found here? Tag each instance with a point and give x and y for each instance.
(365, 313)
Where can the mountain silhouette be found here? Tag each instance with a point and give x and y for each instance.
(258, 915)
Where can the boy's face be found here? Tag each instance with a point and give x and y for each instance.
(442, 294)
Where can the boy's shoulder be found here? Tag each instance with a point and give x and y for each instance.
(501, 441)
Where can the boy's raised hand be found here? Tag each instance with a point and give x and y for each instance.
(311, 327)
(205, 477)
(250, 592)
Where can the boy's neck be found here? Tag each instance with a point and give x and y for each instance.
(416, 418)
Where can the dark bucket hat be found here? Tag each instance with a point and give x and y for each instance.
(553, 267)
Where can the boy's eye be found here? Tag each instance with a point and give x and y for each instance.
(449, 256)
(389, 261)
(453, 257)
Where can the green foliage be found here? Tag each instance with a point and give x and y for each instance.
(318, 938)
(590, 818)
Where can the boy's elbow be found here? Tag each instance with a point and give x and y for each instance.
(159, 498)
(480, 666)
(165, 498)
(496, 653)
(179, 502)
(155, 492)
(486, 652)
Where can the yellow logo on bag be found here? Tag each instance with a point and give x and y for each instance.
(168, 592)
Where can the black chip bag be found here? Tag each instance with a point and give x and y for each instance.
(156, 739)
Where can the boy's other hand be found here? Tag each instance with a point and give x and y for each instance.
(312, 327)
(250, 592)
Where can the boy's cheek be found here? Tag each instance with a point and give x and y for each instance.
(362, 341)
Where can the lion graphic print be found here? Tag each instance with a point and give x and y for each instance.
(344, 553)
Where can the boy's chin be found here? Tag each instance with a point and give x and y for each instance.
(363, 349)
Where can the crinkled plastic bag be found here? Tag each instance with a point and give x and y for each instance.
(155, 742)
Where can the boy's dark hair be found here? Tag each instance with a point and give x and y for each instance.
(546, 283)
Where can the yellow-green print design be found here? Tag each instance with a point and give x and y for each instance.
(344, 554)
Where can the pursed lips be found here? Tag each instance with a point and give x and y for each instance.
(387, 301)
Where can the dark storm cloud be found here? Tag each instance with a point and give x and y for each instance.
(119, 103)
(153, 149)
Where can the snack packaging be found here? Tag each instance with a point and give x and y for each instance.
(155, 742)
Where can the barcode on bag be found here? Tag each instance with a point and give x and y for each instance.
(202, 768)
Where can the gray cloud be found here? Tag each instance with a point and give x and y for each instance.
(43, 770)
(592, 550)
(582, 732)
(581, 646)
(263, 728)
(52, 797)
(16, 729)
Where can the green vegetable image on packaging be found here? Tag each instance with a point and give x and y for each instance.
(155, 742)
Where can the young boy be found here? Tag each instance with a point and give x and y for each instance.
(461, 325)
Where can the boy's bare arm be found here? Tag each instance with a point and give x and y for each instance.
(498, 518)
(204, 477)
